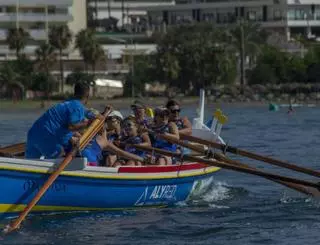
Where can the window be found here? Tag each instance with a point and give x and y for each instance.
(252, 15)
(277, 15)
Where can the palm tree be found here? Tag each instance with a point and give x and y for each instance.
(10, 79)
(46, 57)
(60, 38)
(84, 39)
(247, 39)
(17, 39)
(93, 54)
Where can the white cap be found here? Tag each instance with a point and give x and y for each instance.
(116, 114)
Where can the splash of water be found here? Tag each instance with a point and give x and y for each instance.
(208, 192)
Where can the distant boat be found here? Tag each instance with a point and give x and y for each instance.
(273, 107)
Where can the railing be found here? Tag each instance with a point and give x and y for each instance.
(35, 34)
(36, 2)
(34, 17)
(118, 68)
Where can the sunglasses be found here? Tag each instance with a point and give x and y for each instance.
(175, 110)
(112, 119)
(129, 125)
(162, 115)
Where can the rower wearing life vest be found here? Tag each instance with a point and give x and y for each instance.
(163, 126)
(131, 136)
(183, 123)
(56, 130)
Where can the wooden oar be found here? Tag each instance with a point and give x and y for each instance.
(237, 151)
(93, 129)
(238, 168)
(300, 188)
(303, 189)
(13, 150)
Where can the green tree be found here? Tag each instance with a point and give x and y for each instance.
(43, 82)
(45, 58)
(262, 74)
(247, 38)
(79, 76)
(90, 50)
(194, 56)
(60, 38)
(24, 69)
(17, 40)
(276, 66)
(143, 73)
(312, 63)
(84, 40)
(10, 80)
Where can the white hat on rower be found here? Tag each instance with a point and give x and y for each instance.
(116, 114)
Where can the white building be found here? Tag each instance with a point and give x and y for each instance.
(286, 17)
(128, 12)
(36, 16)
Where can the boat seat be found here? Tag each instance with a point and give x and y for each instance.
(75, 164)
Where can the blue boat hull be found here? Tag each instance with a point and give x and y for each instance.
(91, 193)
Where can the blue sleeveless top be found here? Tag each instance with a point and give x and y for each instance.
(92, 152)
(133, 140)
(160, 143)
(146, 122)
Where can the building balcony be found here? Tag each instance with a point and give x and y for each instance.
(130, 4)
(27, 3)
(303, 23)
(37, 35)
(300, 2)
(34, 17)
(205, 5)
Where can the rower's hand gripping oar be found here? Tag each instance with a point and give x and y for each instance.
(251, 155)
(93, 129)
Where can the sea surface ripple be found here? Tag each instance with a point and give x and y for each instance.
(233, 208)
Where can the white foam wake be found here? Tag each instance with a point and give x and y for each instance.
(208, 192)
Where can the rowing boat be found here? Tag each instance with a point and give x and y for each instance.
(87, 188)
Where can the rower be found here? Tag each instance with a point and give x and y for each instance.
(183, 123)
(163, 126)
(113, 128)
(56, 130)
(131, 136)
(139, 110)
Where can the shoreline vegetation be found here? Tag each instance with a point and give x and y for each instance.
(236, 64)
(255, 95)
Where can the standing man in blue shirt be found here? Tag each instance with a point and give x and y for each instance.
(52, 134)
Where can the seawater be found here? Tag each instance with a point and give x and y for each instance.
(232, 208)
